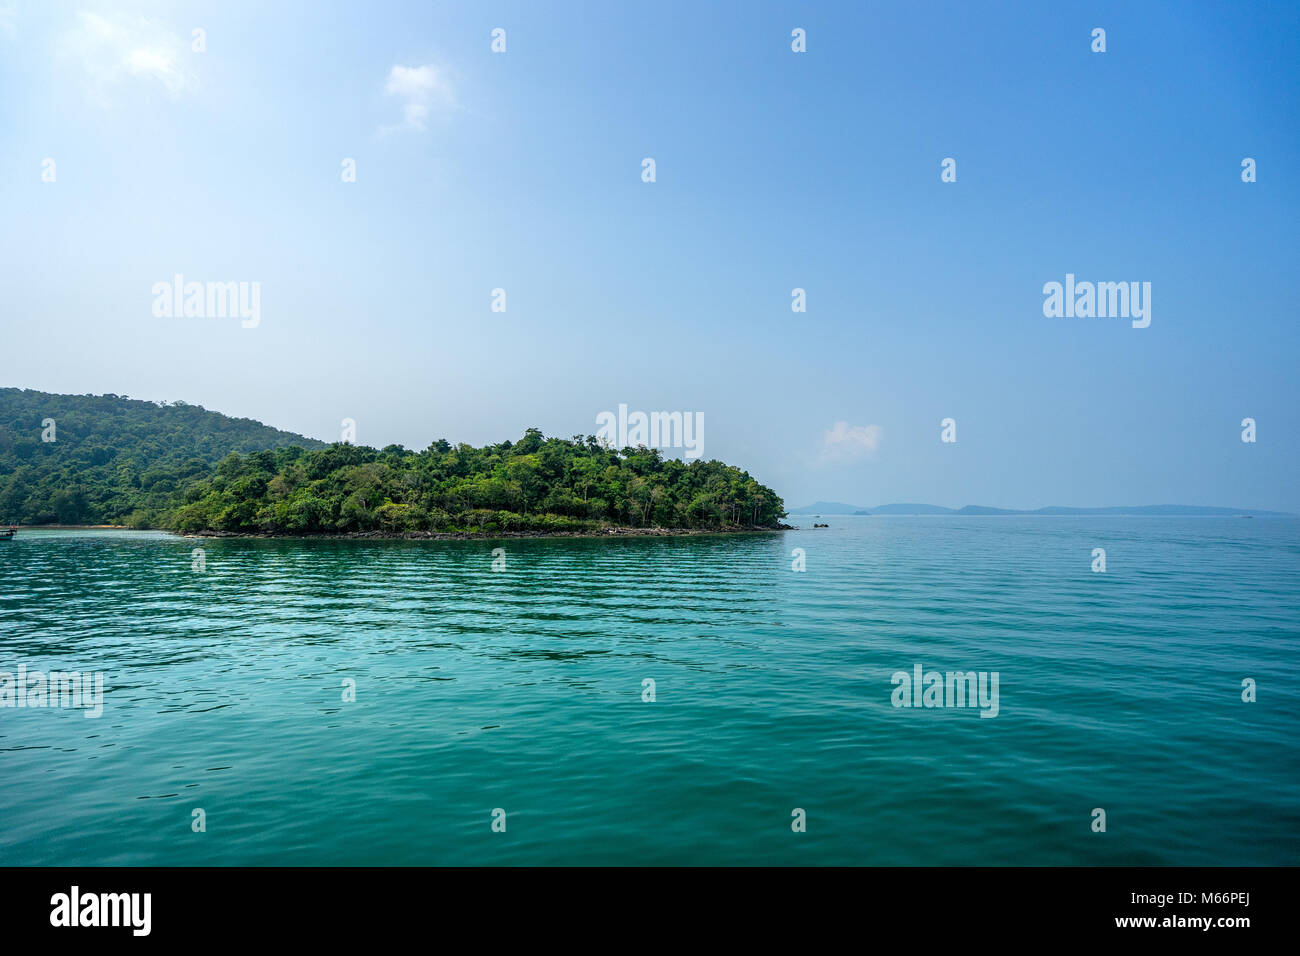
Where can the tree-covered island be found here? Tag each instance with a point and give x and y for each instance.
(182, 468)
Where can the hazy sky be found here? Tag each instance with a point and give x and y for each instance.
(775, 170)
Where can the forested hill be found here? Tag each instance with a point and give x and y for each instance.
(117, 461)
(112, 460)
(534, 484)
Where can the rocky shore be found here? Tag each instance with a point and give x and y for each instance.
(493, 535)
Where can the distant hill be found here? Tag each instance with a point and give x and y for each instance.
(113, 459)
(826, 508)
(912, 509)
(829, 508)
(1186, 510)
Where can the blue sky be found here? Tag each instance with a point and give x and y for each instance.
(774, 170)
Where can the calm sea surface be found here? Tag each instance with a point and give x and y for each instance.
(522, 690)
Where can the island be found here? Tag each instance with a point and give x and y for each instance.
(111, 460)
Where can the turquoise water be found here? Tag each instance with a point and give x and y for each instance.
(522, 690)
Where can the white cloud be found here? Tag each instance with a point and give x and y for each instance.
(420, 89)
(8, 16)
(114, 50)
(851, 441)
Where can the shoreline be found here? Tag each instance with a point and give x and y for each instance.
(488, 535)
(75, 527)
(617, 532)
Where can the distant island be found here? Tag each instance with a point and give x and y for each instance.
(839, 508)
(179, 467)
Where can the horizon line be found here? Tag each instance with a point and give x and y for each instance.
(1034, 511)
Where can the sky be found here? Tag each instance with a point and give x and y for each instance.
(222, 156)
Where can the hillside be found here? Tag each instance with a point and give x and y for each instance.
(536, 484)
(113, 460)
(176, 466)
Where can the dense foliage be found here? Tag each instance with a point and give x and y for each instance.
(534, 484)
(113, 460)
(144, 465)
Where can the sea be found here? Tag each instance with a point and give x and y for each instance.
(742, 699)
